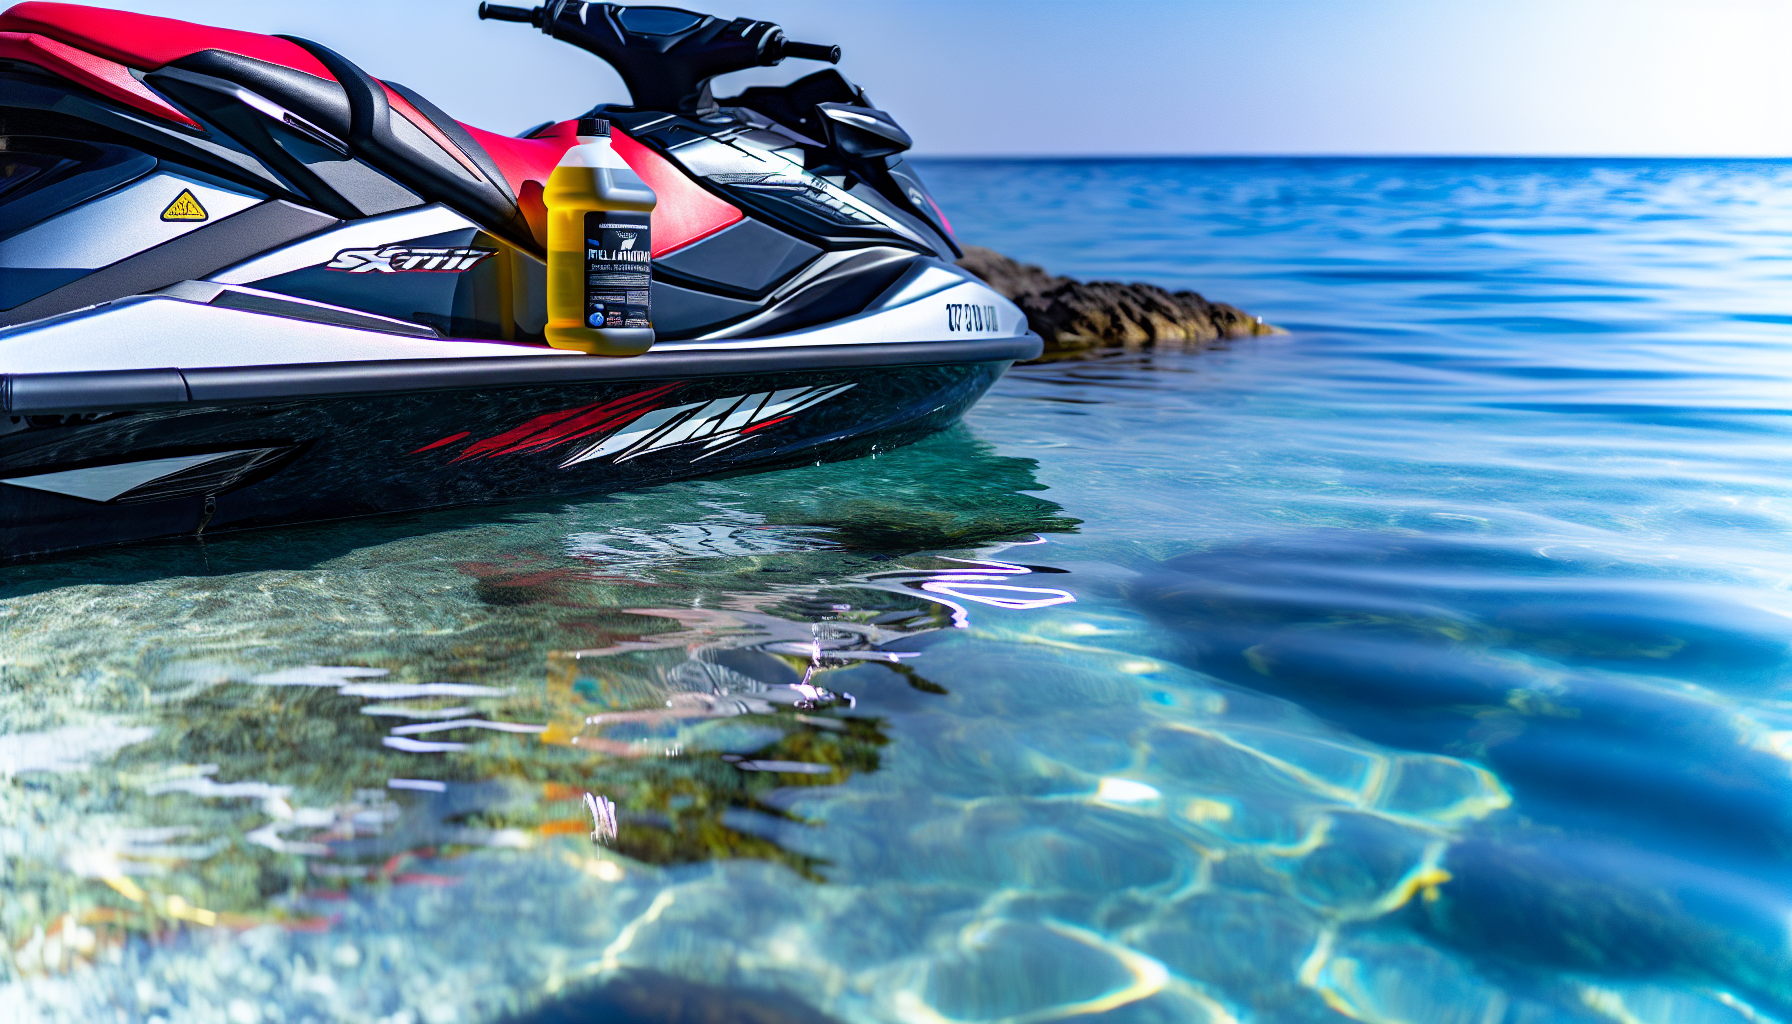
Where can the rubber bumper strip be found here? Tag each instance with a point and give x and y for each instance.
(30, 394)
(198, 253)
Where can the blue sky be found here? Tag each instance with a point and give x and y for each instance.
(1000, 77)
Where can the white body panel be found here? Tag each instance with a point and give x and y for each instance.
(103, 231)
(917, 308)
(320, 249)
(156, 331)
(933, 302)
(152, 332)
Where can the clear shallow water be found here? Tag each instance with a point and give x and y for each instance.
(1426, 664)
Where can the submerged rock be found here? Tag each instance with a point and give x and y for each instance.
(1075, 316)
(1616, 912)
(649, 997)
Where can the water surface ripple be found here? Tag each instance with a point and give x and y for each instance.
(1428, 663)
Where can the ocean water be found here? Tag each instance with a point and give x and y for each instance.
(1431, 662)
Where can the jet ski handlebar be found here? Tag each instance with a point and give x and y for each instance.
(813, 51)
(498, 12)
(666, 56)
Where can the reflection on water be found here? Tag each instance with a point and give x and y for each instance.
(1425, 665)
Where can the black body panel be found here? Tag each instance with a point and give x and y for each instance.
(60, 173)
(747, 259)
(38, 104)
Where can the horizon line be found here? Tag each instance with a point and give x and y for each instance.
(1041, 157)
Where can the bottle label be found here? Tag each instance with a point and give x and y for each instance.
(618, 270)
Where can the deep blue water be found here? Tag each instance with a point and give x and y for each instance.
(1427, 663)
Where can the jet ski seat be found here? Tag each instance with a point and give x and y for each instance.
(494, 180)
(389, 126)
(145, 42)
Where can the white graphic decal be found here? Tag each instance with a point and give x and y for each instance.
(718, 425)
(393, 259)
(105, 483)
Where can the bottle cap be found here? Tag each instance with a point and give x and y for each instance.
(593, 126)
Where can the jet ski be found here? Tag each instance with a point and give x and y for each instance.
(244, 283)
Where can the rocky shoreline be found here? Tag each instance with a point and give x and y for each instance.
(1076, 317)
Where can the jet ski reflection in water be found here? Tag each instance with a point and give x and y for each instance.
(775, 653)
(244, 283)
(693, 727)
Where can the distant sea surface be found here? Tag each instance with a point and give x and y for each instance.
(1431, 662)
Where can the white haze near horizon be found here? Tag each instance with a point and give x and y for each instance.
(1149, 77)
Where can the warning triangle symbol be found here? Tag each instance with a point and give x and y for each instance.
(185, 207)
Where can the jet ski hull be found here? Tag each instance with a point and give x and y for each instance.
(201, 452)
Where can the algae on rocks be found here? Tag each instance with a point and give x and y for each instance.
(1076, 316)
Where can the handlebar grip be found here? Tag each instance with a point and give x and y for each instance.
(813, 51)
(495, 12)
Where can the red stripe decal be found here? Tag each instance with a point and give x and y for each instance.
(556, 428)
(576, 429)
(516, 434)
(577, 426)
(767, 423)
(450, 439)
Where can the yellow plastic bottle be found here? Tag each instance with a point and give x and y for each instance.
(600, 251)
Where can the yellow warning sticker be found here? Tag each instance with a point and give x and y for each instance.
(185, 207)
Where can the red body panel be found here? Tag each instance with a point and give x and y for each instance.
(146, 42)
(108, 78)
(686, 211)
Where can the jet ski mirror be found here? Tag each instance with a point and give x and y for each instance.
(665, 55)
(863, 132)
